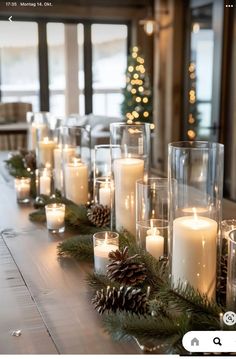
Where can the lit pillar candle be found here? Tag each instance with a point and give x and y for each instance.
(61, 155)
(22, 187)
(101, 253)
(45, 182)
(46, 148)
(126, 172)
(105, 194)
(55, 215)
(194, 253)
(154, 242)
(76, 181)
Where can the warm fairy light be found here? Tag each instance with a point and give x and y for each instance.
(191, 67)
(134, 55)
(140, 88)
(129, 122)
(133, 91)
(146, 114)
(130, 68)
(191, 119)
(135, 49)
(191, 134)
(145, 99)
(136, 76)
(137, 68)
(133, 82)
(149, 27)
(196, 27)
(138, 99)
(152, 126)
(140, 60)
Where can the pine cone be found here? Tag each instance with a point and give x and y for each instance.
(124, 298)
(125, 269)
(30, 160)
(99, 215)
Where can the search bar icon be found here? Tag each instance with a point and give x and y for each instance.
(210, 341)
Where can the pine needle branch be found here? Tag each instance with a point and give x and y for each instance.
(79, 247)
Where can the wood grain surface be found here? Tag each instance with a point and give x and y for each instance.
(47, 298)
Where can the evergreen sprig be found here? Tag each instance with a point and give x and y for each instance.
(79, 247)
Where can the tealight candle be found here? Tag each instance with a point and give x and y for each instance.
(22, 187)
(55, 215)
(46, 147)
(76, 181)
(126, 172)
(194, 252)
(104, 243)
(154, 242)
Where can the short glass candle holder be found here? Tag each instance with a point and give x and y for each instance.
(104, 243)
(22, 187)
(103, 191)
(154, 234)
(55, 215)
(45, 181)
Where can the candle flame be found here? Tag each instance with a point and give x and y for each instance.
(46, 140)
(194, 213)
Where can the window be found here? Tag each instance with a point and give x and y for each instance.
(109, 49)
(56, 64)
(19, 62)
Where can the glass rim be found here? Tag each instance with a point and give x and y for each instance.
(105, 146)
(230, 236)
(103, 179)
(55, 205)
(124, 124)
(143, 223)
(22, 178)
(195, 145)
(145, 182)
(103, 233)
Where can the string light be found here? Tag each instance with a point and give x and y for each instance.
(138, 99)
(134, 55)
(145, 100)
(133, 91)
(191, 134)
(136, 76)
(135, 49)
(146, 114)
(130, 68)
(140, 60)
(140, 88)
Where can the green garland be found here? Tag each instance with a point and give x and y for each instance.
(172, 311)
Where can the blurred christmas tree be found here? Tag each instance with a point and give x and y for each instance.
(137, 104)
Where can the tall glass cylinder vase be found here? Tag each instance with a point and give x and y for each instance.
(46, 142)
(129, 164)
(152, 215)
(76, 157)
(37, 120)
(195, 172)
(231, 272)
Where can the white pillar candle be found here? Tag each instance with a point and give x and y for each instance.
(101, 256)
(55, 214)
(194, 253)
(22, 187)
(76, 181)
(154, 242)
(105, 194)
(46, 148)
(59, 155)
(126, 172)
(45, 183)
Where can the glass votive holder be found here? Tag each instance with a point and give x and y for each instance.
(55, 215)
(231, 272)
(103, 191)
(155, 235)
(45, 181)
(103, 244)
(22, 187)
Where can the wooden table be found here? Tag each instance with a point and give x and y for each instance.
(46, 298)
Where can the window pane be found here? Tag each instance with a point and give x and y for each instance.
(56, 63)
(109, 46)
(80, 36)
(19, 62)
